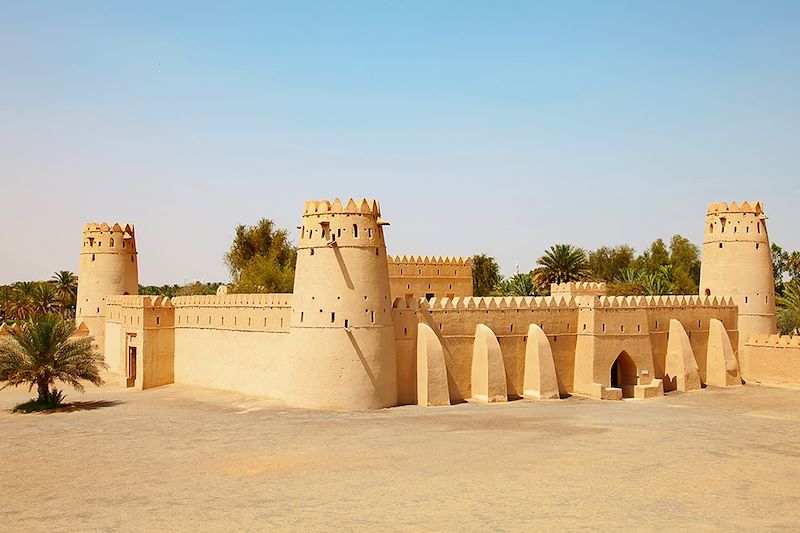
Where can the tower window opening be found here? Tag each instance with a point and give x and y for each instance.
(512, 328)
(745, 299)
(377, 251)
(111, 242)
(265, 321)
(301, 316)
(355, 231)
(638, 327)
(720, 245)
(339, 232)
(699, 324)
(622, 328)
(756, 246)
(312, 251)
(99, 243)
(584, 327)
(131, 259)
(369, 232)
(346, 323)
(735, 228)
(222, 321)
(604, 327)
(656, 325)
(747, 229)
(372, 316)
(758, 227)
(405, 331)
(333, 317)
(158, 321)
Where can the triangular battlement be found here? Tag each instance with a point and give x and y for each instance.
(744, 207)
(352, 207)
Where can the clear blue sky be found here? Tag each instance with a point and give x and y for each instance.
(498, 127)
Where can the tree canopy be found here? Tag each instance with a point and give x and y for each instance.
(261, 259)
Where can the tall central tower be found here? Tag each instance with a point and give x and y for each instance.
(108, 267)
(342, 337)
(737, 262)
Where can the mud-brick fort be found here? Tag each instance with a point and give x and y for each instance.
(365, 330)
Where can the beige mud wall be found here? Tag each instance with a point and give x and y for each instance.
(233, 342)
(416, 277)
(146, 323)
(772, 359)
(694, 313)
(455, 322)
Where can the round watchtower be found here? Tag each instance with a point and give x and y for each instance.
(737, 262)
(342, 336)
(108, 267)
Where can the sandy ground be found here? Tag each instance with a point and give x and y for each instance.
(182, 458)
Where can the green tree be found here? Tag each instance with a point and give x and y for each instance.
(485, 275)
(789, 308)
(518, 285)
(66, 287)
(261, 259)
(684, 257)
(652, 259)
(607, 262)
(562, 263)
(45, 350)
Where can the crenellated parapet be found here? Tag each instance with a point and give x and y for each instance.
(101, 238)
(235, 300)
(139, 301)
(733, 207)
(356, 224)
(432, 260)
(352, 207)
(580, 288)
(776, 341)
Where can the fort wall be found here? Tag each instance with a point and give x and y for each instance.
(432, 277)
(605, 327)
(140, 339)
(773, 359)
(234, 342)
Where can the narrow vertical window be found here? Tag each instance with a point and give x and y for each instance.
(355, 231)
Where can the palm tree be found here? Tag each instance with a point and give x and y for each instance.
(518, 285)
(45, 350)
(45, 299)
(22, 306)
(562, 263)
(66, 284)
(6, 296)
(789, 308)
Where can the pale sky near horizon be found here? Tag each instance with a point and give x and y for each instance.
(497, 127)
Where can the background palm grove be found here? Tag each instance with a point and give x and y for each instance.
(262, 259)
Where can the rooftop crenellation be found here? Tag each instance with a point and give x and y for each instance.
(361, 206)
(425, 260)
(744, 207)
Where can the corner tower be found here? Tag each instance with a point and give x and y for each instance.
(108, 267)
(342, 337)
(737, 262)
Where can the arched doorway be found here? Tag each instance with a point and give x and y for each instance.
(624, 374)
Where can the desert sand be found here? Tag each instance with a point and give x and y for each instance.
(183, 458)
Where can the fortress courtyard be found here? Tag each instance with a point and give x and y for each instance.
(180, 457)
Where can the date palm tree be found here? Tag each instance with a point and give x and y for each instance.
(45, 299)
(44, 350)
(562, 263)
(22, 306)
(789, 308)
(66, 285)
